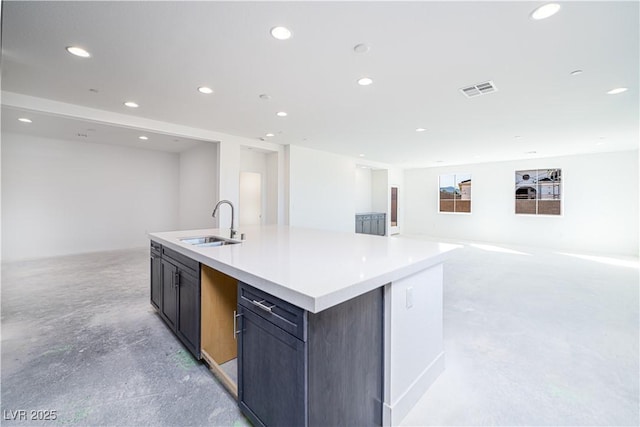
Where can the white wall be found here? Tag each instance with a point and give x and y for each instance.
(379, 191)
(321, 190)
(198, 186)
(62, 197)
(273, 189)
(600, 205)
(364, 190)
(228, 145)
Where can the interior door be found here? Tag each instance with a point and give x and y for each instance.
(250, 207)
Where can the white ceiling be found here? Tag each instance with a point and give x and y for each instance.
(421, 54)
(69, 128)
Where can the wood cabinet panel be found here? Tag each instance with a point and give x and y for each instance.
(219, 300)
(345, 363)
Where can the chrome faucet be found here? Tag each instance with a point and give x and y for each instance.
(215, 210)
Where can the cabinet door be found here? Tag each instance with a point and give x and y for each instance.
(359, 224)
(156, 280)
(169, 293)
(381, 225)
(271, 373)
(374, 225)
(188, 326)
(366, 225)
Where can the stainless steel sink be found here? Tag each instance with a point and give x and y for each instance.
(208, 241)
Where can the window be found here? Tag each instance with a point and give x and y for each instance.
(455, 193)
(539, 192)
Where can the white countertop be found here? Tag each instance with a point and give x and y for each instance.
(313, 269)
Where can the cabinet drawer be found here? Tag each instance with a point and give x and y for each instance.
(186, 262)
(286, 316)
(156, 247)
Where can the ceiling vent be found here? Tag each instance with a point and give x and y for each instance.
(479, 89)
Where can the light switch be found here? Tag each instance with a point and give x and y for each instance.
(409, 297)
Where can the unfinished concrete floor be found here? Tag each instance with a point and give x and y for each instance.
(536, 337)
(531, 338)
(80, 337)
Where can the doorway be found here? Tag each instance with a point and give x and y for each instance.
(250, 208)
(394, 227)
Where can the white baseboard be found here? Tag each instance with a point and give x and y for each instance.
(394, 413)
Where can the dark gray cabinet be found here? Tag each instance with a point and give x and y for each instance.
(188, 312)
(371, 223)
(156, 275)
(169, 307)
(175, 292)
(302, 369)
(271, 376)
(272, 360)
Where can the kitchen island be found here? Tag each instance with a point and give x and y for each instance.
(329, 328)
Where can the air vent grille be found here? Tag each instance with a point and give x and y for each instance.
(479, 89)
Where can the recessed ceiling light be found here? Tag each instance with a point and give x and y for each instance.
(25, 120)
(78, 51)
(361, 155)
(205, 90)
(420, 129)
(265, 97)
(531, 152)
(281, 33)
(518, 137)
(617, 90)
(361, 48)
(144, 138)
(575, 73)
(439, 161)
(269, 135)
(131, 104)
(281, 114)
(545, 11)
(365, 81)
